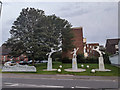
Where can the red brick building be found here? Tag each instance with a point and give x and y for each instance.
(77, 41)
(89, 48)
(4, 55)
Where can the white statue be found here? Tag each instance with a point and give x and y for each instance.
(101, 60)
(74, 63)
(74, 52)
(74, 60)
(100, 52)
(49, 64)
(50, 53)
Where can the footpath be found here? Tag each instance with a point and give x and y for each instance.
(58, 76)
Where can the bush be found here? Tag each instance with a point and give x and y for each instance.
(80, 58)
(57, 56)
(91, 60)
(66, 60)
(106, 58)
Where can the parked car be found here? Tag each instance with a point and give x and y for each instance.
(23, 63)
(10, 63)
(37, 61)
(44, 61)
(30, 62)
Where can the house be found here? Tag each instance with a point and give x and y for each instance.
(115, 58)
(112, 45)
(4, 56)
(4, 53)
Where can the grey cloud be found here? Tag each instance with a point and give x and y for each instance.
(87, 15)
(108, 9)
(76, 13)
(76, 9)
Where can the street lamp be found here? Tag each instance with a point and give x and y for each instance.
(0, 8)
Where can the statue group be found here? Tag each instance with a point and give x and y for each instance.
(74, 61)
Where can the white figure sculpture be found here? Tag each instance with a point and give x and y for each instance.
(101, 60)
(50, 53)
(49, 64)
(74, 52)
(74, 60)
(74, 63)
(100, 52)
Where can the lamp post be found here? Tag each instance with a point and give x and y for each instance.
(0, 8)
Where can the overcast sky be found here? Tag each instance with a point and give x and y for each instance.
(99, 20)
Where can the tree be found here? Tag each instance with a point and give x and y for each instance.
(34, 33)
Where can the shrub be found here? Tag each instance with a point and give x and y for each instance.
(57, 56)
(106, 58)
(66, 60)
(91, 59)
(80, 58)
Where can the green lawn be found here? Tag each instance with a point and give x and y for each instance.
(114, 69)
(42, 66)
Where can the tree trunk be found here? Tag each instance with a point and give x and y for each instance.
(33, 62)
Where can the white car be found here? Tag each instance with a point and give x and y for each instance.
(44, 61)
(9, 63)
(30, 62)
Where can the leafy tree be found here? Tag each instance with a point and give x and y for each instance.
(34, 33)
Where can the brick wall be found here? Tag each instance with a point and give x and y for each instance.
(78, 42)
(89, 48)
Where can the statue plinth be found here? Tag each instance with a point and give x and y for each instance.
(49, 64)
(101, 64)
(74, 64)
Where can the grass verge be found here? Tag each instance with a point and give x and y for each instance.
(114, 70)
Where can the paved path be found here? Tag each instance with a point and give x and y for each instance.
(58, 76)
(58, 81)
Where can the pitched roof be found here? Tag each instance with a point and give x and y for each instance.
(113, 41)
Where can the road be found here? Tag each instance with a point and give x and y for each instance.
(57, 81)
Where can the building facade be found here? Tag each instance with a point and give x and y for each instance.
(77, 42)
(89, 48)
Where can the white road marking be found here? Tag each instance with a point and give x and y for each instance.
(8, 83)
(81, 87)
(103, 80)
(31, 85)
(13, 85)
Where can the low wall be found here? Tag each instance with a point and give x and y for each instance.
(19, 68)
